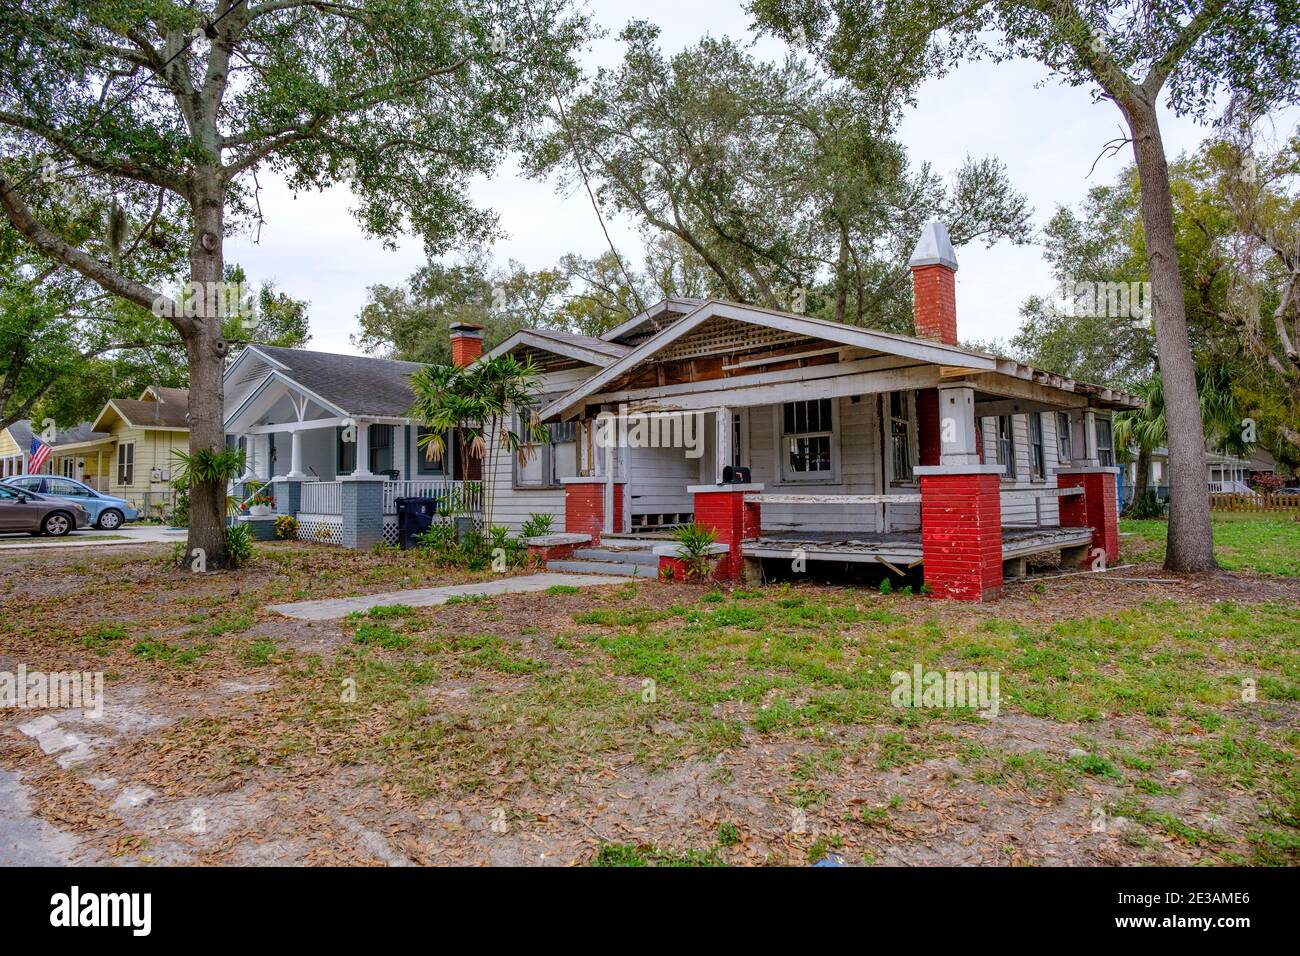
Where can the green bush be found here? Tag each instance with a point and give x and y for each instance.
(286, 527)
(239, 545)
(474, 551)
(696, 541)
(537, 525)
(1148, 506)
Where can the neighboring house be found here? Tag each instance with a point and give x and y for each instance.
(128, 450)
(15, 448)
(861, 445)
(1157, 476)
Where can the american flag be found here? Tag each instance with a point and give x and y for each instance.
(40, 452)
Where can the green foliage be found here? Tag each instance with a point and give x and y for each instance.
(1148, 506)
(286, 527)
(537, 525)
(796, 177)
(239, 545)
(474, 551)
(696, 542)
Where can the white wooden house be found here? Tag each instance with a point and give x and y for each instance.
(860, 445)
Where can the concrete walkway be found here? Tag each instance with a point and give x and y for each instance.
(92, 537)
(427, 597)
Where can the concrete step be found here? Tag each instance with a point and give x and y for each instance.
(624, 568)
(617, 555)
(632, 542)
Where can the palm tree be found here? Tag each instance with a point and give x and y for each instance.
(1148, 428)
(476, 404)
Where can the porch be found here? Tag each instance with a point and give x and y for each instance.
(325, 512)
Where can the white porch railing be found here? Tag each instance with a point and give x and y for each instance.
(456, 497)
(321, 498)
(1230, 488)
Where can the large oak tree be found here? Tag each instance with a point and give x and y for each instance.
(403, 99)
(1130, 53)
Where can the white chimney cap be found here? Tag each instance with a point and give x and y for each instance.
(934, 248)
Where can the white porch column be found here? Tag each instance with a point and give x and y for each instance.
(295, 454)
(363, 449)
(958, 437)
(250, 457)
(722, 441)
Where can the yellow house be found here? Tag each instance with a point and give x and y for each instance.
(15, 448)
(127, 451)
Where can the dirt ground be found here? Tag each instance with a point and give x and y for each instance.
(239, 753)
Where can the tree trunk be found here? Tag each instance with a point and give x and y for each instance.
(205, 349)
(1190, 545)
(1142, 481)
(842, 274)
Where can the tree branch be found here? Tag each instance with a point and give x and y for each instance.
(41, 236)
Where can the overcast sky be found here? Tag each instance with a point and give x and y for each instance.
(1048, 137)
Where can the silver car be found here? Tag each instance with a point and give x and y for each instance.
(26, 511)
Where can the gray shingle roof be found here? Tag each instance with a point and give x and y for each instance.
(357, 384)
(21, 432)
(82, 432)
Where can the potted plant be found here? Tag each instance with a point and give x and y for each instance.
(259, 506)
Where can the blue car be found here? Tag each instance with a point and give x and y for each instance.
(106, 512)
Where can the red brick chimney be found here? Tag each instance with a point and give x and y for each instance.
(934, 309)
(466, 343)
(934, 285)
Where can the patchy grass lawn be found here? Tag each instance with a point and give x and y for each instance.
(1243, 541)
(652, 724)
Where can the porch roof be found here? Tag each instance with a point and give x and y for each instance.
(356, 385)
(583, 349)
(883, 361)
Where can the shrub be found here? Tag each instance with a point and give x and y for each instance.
(1148, 506)
(696, 542)
(286, 527)
(239, 545)
(537, 525)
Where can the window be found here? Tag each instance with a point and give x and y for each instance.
(1064, 437)
(1007, 446)
(900, 435)
(1037, 453)
(438, 466)
(380, 448)
(547, 463)
(806, 432)
(66, 489)
(346, 453)
(69, 468)
(737, 438)
(1105, 448)
(126, 463)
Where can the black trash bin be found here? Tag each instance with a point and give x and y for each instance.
(414, 516)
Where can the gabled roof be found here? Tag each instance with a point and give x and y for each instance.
(355, 384)
(21, 432)
(580, 348)
(145, 414)
(167, 394)
(653, 320)
(923, 350)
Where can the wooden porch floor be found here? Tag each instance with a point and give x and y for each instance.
(902, 548)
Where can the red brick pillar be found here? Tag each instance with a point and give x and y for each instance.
(961, 531)
(1097, 508)
(723, 508)
(584, 507)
